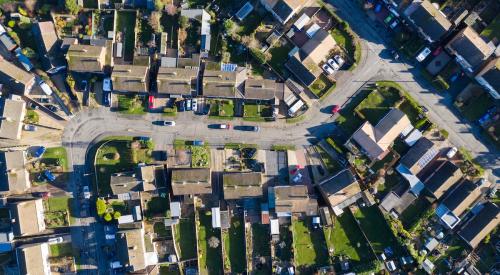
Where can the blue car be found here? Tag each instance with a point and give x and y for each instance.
(39, 152)
(106, 99)
(49, 176)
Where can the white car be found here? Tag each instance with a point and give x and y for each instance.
(327, 69)
(195, 105)
(29, 127)
(106, 84)
(56, 69)
(391, 266)
(55, 240)
(334, 64)
(168, 123)
(339, 60)
(45, 88)
(452, 152)
(86, 192)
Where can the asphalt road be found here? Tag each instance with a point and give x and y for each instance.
(89, 126)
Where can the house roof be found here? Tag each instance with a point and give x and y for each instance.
(47, 34)
(86, 58)
(318, 47)
(131, 78)
(223, 84)
(10, 73)
(306, 71)
(376, 140)
(125, 182)
(294, 199)
(28, 216)
(14, 177)
(339, 187)
(242, 185)
(33, 258)
(462, 197)
(175, 80)
(282, 10)
(443, 178)
(476, 229)
(131, 248)
(13, 111)
(191, 181)
(429, 19)
(493, 74)
(151, 176)
(419, 155)
(263, 89)
(472, 47)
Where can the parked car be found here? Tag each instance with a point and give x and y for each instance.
(335, 109)
(49, 176)
(339, 60)
(86, 192)
(181, 106)
(188, 105)
(437, 51)
(52, 108)
(327, 69)
(29, 127)
(106, 99)
(85, 85)
(39, 152)
(198, 143)
(452, 152)
(55, 240)
(43, 99)
(224, 126)
(162, 156)
(106, 84)
(316, 224)
(151, 102)
(45, 87)
(56, 69)
(195, 105)
(333, 64)
(394, 24)
(247, 128)
(390, 266)
(168, 123)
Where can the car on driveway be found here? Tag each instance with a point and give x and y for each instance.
(39, 152)
(86, 192)
(195, 105)
(29, 127)
(247, 128)
(49, 176)
(198, 143)
(52, 108)
(168, 123)
(333, 64)
(335, 109)
(151, 102)
(340, 61)
(327, 69)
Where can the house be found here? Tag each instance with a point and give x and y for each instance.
(430, 22)
(204, 18)
(242, 185)
(304, 63)
(470, 49)
(33, 259)
(375, 141)
(262, 89)
(416, 159)
(488, 78)
(283, 10)
(457, 203)
(176, 82)
(47, 40)
(12, 112)
(445, 176)
(14, 177)
(477, 228)
(289, 200)
(224, 84)
(142, 179)
(130, 78)
(16, 79)
(340, 190)
(191, 181)
(133, 251)
(27, 217)
(86, 58)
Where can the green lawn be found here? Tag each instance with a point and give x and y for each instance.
(200, 156)
(58, 203)
(343, 39)
(126, 24)
(309, 244)
(221, 109)
(378, 103)
(31, 117)
(56, 156)
(210, 259)
(284, 247)
(132, 105)
(322, 86)
(377, 230)
(347, 120)
(279, 56)
(58, 211)
(61, 249)
(345, 238)
(185, 238)
(256, 112)
(234, 243)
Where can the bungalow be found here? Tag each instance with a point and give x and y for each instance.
(12, 112)
(86, 58)
(340, 190)
(304, 63)
(289, 200)
(191, 181)
(488, 78)
(142, 179)
(16, 79)
(375, 141)
(441, 180)
(130, 78)
(430, 22)
(33, 259)
(457, 202)
(470, 49)
(263, 89)
(176, 82)
(224, 84)
(133, 251)
(47, 40)
(27, 217)
(239, 186)
(283, 10)
(477, 228)
(14, 177)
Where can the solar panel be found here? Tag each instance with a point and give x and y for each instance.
(228, 67)
(423, 161)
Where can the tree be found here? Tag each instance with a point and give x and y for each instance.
(154, 21)
(159, 5)
(228, 25)
(72, 6)
(183, 21)
(101, 207)
(107, 217)
(117, 215)
(29, 52)
(213, 242)
(11, 23)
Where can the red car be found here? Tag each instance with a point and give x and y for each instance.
(437, 51)
(335, 109)
(151, 101)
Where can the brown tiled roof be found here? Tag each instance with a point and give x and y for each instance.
(33, 258)
(318, 47)
(130, 78)
(12, 73)
(339, 188)
(28, 217)
(476, 229)
(177, 81)
(191, 181)
(14, 177)
(48, 34)
(86, 58)
(132, 249)
(295, 199)
(242, 185)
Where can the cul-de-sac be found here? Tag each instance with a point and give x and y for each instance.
(232, 137)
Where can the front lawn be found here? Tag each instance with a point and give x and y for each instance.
(322, 86)
(256, 112)
(185, 238)
(350, 45)
(200, 156)
(221, 109)
(132, 105)
(234, 243)
(345, 239)
(279, 56)
(125, 23)
(31, 117)
(57, 211)
(61, 250)
(309, 244)
(209, 257)
(55, 156)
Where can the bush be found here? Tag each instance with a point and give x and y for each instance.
(335, 146)
(183, 22)
(107, 217)
(441, 83)
(444, 133)
(116, 215)
(11, 24)
(101, 207)
(29, 52)
(72, 6)
(420, 123)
